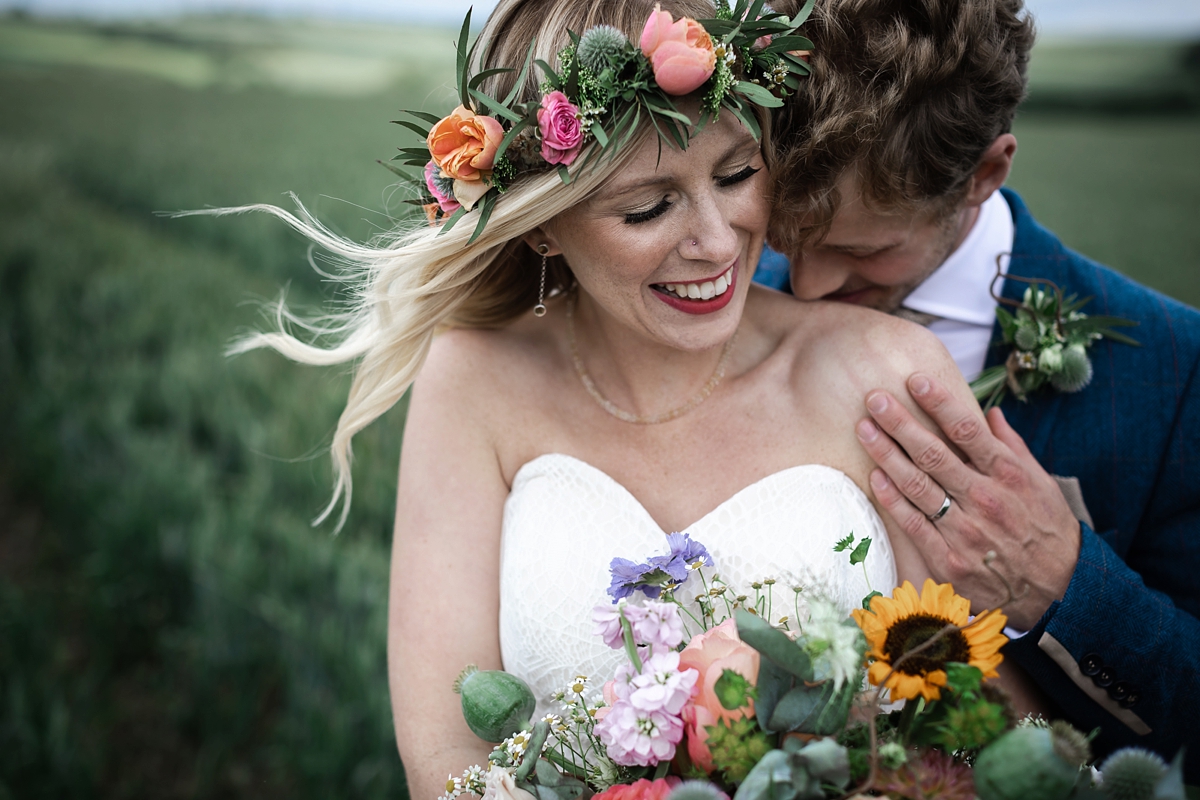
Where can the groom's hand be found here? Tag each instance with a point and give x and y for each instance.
(1001, 500)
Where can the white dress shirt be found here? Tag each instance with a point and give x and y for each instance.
(958, 291)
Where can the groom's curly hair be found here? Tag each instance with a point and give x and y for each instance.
(906, 93)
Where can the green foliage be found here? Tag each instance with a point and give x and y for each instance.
(736, 747)
(173, 626)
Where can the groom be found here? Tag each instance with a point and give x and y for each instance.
(891, 163)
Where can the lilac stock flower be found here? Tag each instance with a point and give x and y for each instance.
(660, 626)
(636, 738)
(661, 686)
(608, 623)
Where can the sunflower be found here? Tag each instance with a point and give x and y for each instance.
(905, 621)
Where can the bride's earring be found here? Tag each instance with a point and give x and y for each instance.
(540, 309)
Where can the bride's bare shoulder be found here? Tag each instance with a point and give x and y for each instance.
(470, 368)
(859, 346)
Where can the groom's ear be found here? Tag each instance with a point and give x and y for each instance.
(993, 169)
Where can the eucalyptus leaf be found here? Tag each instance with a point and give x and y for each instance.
(757, 94)
(487, 73)
(521, 78)
(404, 175)
(773, 770)
(486, 204)
(773, 644)
(827, 761)
(432, 119)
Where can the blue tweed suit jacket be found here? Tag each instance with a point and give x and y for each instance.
(1121, 650)
(1130, 619)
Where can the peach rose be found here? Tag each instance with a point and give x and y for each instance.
(464, 144)
(710, 654)
(680, 52)
(640, 790)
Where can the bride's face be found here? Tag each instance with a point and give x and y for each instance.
(668, 246)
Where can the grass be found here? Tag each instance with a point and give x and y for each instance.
(172, 625)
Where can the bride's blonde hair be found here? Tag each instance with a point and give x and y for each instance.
(405, 285)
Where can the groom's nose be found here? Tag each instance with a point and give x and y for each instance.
(815, 275)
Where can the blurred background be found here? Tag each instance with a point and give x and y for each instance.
(170, 624)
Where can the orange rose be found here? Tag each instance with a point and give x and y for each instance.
(710, 654)
(464, 144)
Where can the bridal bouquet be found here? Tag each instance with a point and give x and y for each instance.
(726, 695)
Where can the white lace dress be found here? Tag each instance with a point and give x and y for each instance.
(565, 520)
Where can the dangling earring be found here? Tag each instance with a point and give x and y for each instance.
(540, 309)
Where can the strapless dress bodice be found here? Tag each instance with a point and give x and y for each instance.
(565, 520)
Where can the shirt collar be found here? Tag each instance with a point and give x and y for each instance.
(959, 289)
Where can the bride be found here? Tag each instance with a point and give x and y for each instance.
(657, 390)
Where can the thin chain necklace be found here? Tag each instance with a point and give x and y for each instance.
(622, 414)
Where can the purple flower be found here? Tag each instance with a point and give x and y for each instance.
(665, 570)
(661, 627)
(684, 553)
(441, 188)
(627, 578)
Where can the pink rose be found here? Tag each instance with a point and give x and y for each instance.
(558, 121)
(445, 201)
(640, 790)
(680, 52)
(710, 654)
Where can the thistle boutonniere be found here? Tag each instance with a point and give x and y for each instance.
(1049, 337)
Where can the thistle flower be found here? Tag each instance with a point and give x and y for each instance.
(1132, 774)
(1026, 337)
(1076, 372)
(598, 46)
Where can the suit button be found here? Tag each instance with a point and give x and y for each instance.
(1130, 700)
(1091, 664)
(1119, 691)
(1105, 677)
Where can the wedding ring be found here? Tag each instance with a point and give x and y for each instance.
(941, 512)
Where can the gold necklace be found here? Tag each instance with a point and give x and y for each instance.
(620, 413)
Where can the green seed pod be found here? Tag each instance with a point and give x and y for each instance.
(1023, 765)
(597, 44)
(1026, 337)
(495, 704)
(1131, 774)
(1076, 370)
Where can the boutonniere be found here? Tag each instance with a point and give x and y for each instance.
(1049, 337)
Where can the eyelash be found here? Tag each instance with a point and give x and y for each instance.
(636, 217)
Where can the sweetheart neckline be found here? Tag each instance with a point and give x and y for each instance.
(833, 471)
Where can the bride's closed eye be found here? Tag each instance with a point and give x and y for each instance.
(634, 217)
(737, 177)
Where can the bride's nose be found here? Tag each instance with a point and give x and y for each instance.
(709, 234)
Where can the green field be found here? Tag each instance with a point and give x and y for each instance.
(171, 624)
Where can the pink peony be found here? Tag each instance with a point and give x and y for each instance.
(558, 121)
(446, 202)
(680, 52)
(710, 654)
(640, 790)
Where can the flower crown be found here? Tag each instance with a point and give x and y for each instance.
(603, 89)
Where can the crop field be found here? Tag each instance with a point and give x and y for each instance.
(172, 625)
